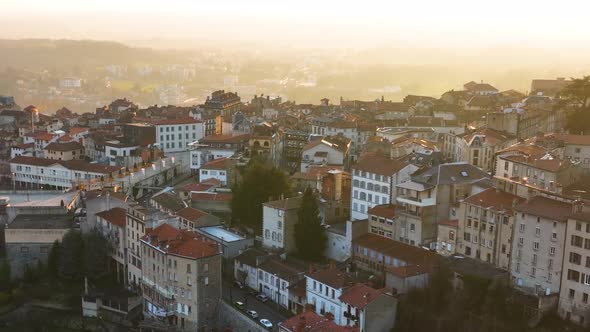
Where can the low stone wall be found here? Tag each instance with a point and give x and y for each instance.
(231, 318)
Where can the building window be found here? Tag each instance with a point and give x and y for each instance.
(535, 245)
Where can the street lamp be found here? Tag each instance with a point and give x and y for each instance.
(14, 182)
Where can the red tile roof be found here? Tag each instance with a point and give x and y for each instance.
(494, 199)
(77, 130)
(576, 139)
(333, 277)
(545, 207)
(190, 213)
(77, 165)
(385, 210)
(69, 146)
(360, 295)
(198, 187)
(219, 164)
(43, 136)
(380, 165)
(180, 242)
(178, 121)
(116, 216)
(309, 321)
(214, 196)
(395, 249)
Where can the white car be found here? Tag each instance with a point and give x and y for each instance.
(252, 314)
(266, 323)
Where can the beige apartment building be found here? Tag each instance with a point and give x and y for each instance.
(64, 151)
(181, 280)
(416, 213)
(575, 283)
(485, 227)
(538, 245)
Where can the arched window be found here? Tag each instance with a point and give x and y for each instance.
(363, 184)
(384, 189)
(363, 196)
(377, 188)
(369, 186)
(355, 183)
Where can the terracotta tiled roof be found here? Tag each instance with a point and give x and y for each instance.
(180, 242)
(339, 143)
(190, 213)
(178, 121)
(380, 165)
(24, 146)
(576, 139)
(494, 199)
(309, 321)
(395, 249)
(116, 216)
(276, 267)
(169, 201)
(77, 130)
(384, 210)
(77, 165)
(332, 277)
(44, 136)
(219, 164)
(69, 146)
(551, 165)
(545, 207)
(360, 295)
(198, 187)
(214, 196)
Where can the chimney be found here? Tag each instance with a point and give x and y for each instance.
(332, 265)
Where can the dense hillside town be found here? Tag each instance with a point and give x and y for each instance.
(467, 212)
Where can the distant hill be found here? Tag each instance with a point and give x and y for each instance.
(45, 53)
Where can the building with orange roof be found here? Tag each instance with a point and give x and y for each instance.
(538, 166)
(539, 241)
(215, 169)
(402, 265)
(112, 224)
(485, 227)
(72, 150)
(181, 277)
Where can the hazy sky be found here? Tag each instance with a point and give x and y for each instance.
(465, 23)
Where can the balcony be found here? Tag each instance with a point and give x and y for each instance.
(421, 202)
(165, 311)
(163, 291)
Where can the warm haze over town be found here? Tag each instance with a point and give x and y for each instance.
(295, 166)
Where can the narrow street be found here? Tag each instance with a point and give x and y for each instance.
(268, 310)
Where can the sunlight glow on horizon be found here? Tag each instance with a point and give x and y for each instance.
(453, 22)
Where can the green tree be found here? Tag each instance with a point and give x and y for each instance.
(71, 257)
(577, 94)
(259, 185)
(96, 254)
(310, 238)
(53, 260)
(5, 280)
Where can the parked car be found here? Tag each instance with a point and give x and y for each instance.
(262, 297)
(266, 323)
(252, 314)
(239, 305)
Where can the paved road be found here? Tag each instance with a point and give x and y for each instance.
(266, 310)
